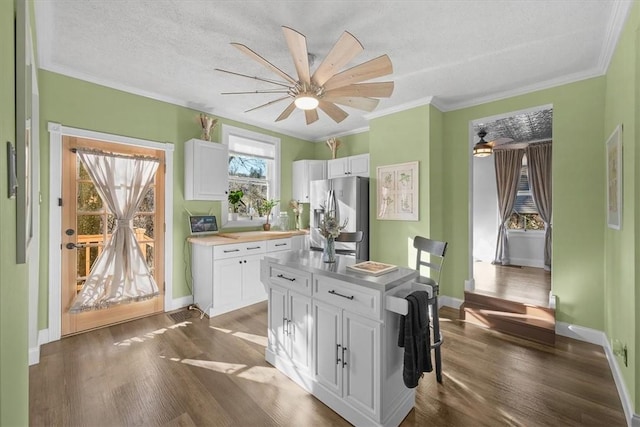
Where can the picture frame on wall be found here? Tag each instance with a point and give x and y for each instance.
(398, 192)
(614, 179)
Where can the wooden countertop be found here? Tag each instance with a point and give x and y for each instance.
(243, 236)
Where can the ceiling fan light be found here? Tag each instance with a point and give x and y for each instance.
(482, 149)
(306, 102)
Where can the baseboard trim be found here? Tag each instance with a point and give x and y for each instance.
(177, 303)
(34, 352)
(597, 337)
(452, 302)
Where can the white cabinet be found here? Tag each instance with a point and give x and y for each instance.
(227, 277)
(300, 242)
(205, 170)
(303, 172)
(348, 166)
(289, 326)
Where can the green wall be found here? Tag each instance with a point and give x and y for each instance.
(80, 104)
(622, 246)
(14, 383)
(350, 145)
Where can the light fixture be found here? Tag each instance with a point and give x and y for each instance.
(482, 148)
(306, 101)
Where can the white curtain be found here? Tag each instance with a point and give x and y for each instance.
(120, 273)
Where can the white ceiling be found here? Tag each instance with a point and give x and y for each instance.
(450, 53)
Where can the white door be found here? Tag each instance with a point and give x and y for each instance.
(277, 319)
(327, 368)
(252, 287)
(361, 341)
(299, 334)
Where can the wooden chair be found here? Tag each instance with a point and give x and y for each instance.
(349, 237)
(436, 251)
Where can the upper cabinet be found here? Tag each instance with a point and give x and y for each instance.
(305, 171)
(348, 166)
(205, 170)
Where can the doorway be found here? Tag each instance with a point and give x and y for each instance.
(87, 225)
(523, 277)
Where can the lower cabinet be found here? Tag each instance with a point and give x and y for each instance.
(289, 328)
(239, 283)
(346, 350)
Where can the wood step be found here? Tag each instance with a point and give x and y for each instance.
(526, 321)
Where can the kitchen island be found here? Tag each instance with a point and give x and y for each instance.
(330, 332)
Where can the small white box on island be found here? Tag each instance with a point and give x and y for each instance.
(372, 268)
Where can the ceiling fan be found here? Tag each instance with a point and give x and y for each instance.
(484, 148)
(327, 86)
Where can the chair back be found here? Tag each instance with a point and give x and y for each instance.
(349, 237)
(437, 251)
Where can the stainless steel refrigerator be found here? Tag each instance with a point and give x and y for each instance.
(348, 197)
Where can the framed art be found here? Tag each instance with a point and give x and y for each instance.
(614, 179)
(398, 192)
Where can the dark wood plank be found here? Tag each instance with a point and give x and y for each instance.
(212, 372)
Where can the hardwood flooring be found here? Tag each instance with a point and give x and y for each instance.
(513, 283)
(212, 372)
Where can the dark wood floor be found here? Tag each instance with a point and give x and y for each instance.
(513, 283)
(157, 372)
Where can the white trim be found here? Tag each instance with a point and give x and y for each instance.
(356, 131)
(398, 108)
(228, 130)
(181, 302)
(581, 333)
(621, 10)
(34, 352)
(447, 301)
(56, 131)
(625, 397)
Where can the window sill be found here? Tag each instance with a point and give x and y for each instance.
(244, 223)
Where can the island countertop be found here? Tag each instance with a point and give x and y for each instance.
(311, 261)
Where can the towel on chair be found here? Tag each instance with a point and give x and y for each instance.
(414, 336)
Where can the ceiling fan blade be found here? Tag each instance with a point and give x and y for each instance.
(333, 111)
(377, 67)
(275, 82)
(298, 47)
(251, 54)
(287, 112)
(346, 48)
(269, 103)
(366, 104)
(311, 116)
(372, 90)
(252, 92)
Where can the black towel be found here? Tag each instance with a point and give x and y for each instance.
(414, 336)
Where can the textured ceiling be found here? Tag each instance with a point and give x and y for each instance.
(452, 53)
(519, 128)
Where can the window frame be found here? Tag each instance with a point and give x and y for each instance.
(228, 131)
(529, 193)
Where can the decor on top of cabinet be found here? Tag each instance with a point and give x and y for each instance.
(297, 208)
(264, 208)
(208, 124)
(235, 199)
(334, 144)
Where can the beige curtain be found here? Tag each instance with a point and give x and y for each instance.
(539, 161)
(120, 273)
(507, 164)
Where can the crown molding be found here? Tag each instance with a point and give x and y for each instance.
(398, 108)
(345, 133)
(621, 10)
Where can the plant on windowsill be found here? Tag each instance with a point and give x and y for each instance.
(235, 199)
(265, 209)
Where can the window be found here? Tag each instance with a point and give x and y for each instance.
(525, 212)
(254, 176)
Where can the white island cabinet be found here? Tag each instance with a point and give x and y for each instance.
(329, 332)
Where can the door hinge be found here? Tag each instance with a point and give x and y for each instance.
(59, 201)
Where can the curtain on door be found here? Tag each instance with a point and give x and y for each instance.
(539, 160)
(507, 164)
(120, 273)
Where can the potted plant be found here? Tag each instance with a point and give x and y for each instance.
(235, 199)
(265, 209)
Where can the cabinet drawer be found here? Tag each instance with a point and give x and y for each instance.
(279, 245)
(238, 249)
(356, 299)
(298, 281)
